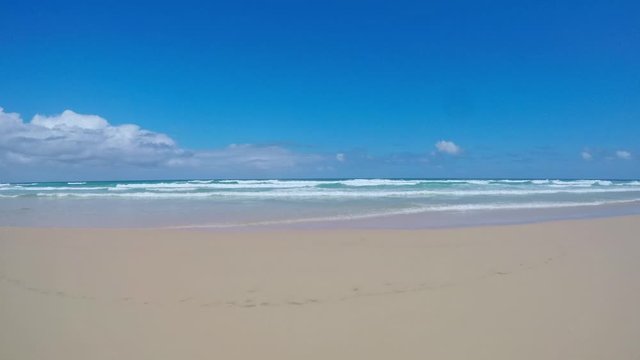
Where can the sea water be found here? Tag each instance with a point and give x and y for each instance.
(245, 203)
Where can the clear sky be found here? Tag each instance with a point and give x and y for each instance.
(319, 89)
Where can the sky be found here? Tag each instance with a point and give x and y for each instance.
(97, 90)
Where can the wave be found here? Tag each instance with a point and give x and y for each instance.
(218, 185)
(581, 182)
(378, 182)
(54, 188)
(540, 182)
(323, 189)
(405, 184)
(334, 194)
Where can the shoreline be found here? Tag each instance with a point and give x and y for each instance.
(410, 221)
(274, 230)
(400, 221)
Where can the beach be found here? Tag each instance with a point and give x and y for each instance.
(319, 180)
(551, 290)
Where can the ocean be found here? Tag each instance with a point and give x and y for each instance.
(411, 203)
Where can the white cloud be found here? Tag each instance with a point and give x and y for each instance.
(448, 147)
(586, 155)
(341, 157)
(623, 154)
(89, 140)
(247, 156)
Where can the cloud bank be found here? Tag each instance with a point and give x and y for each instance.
(77, 146)
(89, 140)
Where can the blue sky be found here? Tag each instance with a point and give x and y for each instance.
(320, 89)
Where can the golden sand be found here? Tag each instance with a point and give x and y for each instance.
(559, 290)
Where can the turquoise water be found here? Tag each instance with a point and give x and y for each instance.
(232, 203)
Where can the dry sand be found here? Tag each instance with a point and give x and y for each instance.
(562, 290)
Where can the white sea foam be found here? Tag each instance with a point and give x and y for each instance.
(540, 182)
(378, 182)
(509, 181)
(581, 182)
(478, 182)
